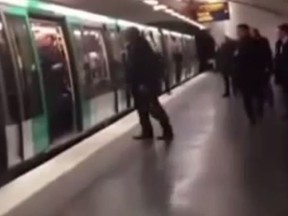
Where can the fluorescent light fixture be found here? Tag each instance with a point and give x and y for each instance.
(168, 10)
(174, 13)
(151, 2)
(77, 33)
(184, 18)
(151, 28)
(196, 24)
(160, 7)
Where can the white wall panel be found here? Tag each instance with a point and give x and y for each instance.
(263, 20)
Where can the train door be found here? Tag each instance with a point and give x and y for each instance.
(185, 59)
(177, 59)
(119, 70)
(165, 54)
(98, 96)
(10, 145)
(57, 77)
(170, 57)
(26, 128)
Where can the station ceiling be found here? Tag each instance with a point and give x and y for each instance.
(137, 11)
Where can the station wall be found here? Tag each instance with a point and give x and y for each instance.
(265, 21)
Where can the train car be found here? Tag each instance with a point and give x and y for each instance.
(62, 74)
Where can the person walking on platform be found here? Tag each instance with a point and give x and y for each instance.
(281, 62)
(266, 65)
(249, 74)
(225, 64)
(144, 79)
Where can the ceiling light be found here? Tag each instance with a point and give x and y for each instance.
(159, 7)
(151, 2)
(169, 11)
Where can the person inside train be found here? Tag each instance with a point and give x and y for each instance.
(56, 84)
(249, 74)
(178, 61)
(281, 62)
(266, 64)
(145, 84)
(225, 64)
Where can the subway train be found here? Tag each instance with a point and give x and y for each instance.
(63, 74)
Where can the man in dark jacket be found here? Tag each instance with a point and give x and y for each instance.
(281, 61)
(145, 84)
(225, 63)
(264, 56)
(56, 84)
(249, 73)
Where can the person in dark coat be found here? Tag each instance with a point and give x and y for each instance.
(225, 64)
(281, 61)
(248, 73)
(56, 85)
(266, 64)
(145, 84)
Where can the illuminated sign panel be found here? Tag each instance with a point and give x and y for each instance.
(210, 12)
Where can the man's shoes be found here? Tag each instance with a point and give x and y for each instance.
(252, 122)
(167, 137)
(143, 137)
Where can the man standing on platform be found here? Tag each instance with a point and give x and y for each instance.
(225, 64)
(144, 79)
(249, 74)
(281, 62)
(266, 64)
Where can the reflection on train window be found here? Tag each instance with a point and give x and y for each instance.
(154, 41)
(57, 76)
(29, 77)
(96, 77)
(116, 45)
(119, 78)
(94, 74)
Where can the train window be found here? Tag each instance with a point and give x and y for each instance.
(154, 41)
(117, 45)
(95, 78)
(95, 63)
(57, 76)
(13, 112)
(29, 79)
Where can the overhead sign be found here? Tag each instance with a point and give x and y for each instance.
(210, 12)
